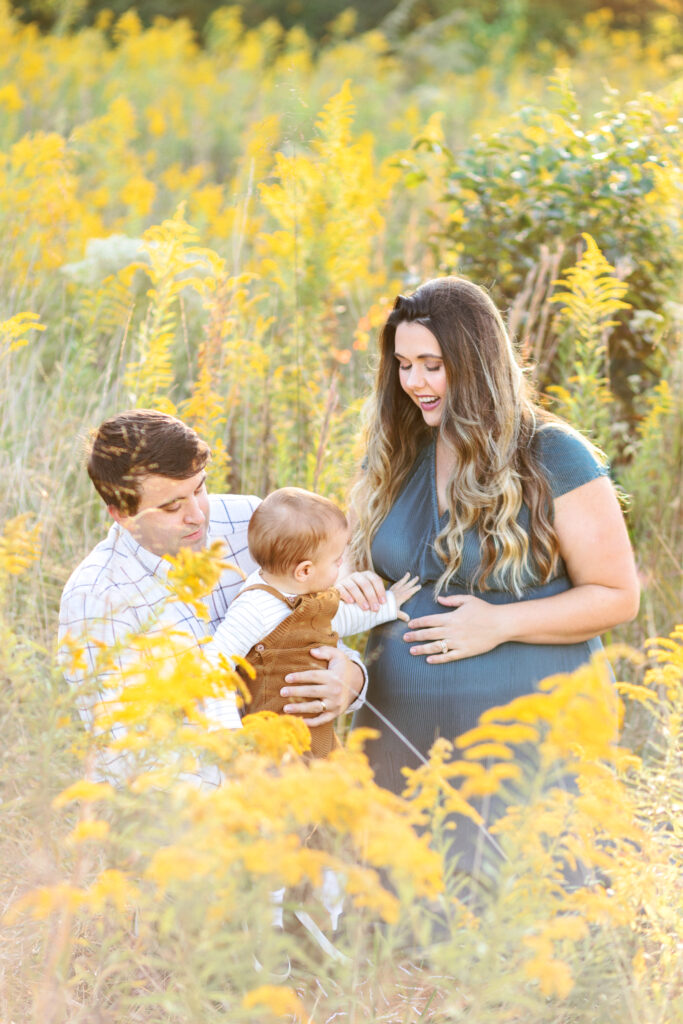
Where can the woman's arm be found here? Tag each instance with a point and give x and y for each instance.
(596, 550)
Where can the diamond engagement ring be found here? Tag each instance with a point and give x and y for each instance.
(444, 646)
(324, 705)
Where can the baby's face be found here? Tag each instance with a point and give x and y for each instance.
(327, 562)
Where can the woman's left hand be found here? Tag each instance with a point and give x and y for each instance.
(475, 627)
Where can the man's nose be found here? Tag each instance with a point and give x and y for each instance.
(193, 511)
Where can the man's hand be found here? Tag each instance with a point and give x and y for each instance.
(325, 692)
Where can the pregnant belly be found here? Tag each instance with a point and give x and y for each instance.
(424, 700)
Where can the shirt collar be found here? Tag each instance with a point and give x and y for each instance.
(156, 565)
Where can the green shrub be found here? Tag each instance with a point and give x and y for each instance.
(537, 184)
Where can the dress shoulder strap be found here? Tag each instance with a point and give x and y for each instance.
(291, 601)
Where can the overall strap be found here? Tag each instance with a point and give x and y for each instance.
(290, 601)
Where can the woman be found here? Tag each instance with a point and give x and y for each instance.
(505, 513)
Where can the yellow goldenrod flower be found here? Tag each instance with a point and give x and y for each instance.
(87, 830)
(85, 791)
(10, 98)
(111, 887)
(45, 901)
(279, 999)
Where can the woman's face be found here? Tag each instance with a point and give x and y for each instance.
(421, 369)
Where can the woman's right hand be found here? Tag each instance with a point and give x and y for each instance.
(473, 627)
(366, 589)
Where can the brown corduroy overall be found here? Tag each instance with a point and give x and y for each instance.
(287, 649)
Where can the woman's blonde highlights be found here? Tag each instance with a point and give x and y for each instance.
(489, 423)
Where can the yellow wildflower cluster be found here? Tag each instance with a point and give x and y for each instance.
(578, 871)
(279, 999)
(276, 820)
(668, 653)
(194, 574)
(176, 265)
(13, 332)
(165, 673)
(592, 293)
(18, 547)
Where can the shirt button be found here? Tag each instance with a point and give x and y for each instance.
(259, 647)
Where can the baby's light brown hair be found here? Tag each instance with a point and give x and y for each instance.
(290, 526)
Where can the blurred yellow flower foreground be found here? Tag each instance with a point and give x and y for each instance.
(166, 888)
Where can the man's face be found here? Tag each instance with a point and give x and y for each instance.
(172, 514)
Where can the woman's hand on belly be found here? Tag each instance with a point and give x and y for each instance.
(474, 627)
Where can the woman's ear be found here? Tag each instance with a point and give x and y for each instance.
(303, 570)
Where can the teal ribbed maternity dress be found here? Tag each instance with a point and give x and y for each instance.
(426, 701)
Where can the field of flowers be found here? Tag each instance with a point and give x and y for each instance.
(216, 227)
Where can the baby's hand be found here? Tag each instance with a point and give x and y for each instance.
(404, 589)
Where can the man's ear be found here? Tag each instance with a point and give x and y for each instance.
(302, 571)
(116, 514)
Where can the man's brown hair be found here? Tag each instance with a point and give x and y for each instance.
(135, 444)
(290, 526)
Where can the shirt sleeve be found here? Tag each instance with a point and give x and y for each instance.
(351, 618)
(255, 614)
(222, 712)
(92, 654)
(245, 623)
(355, 656)
(568, 458)
(96, 653)
(92, 648)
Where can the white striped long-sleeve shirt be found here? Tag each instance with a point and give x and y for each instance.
(256, 613)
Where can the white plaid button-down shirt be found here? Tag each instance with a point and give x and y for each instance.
(120, 590)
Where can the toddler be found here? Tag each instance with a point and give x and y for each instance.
(288, 606)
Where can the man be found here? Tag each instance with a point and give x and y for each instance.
(149, 468)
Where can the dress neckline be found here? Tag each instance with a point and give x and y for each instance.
(435, 497)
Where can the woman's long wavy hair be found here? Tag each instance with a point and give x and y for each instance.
(489, 422)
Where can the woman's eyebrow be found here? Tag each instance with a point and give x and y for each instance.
(424, 355)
